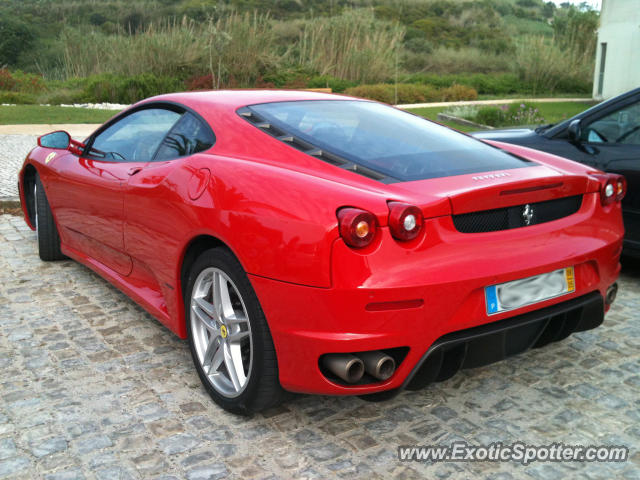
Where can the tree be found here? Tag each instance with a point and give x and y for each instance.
(16, 37)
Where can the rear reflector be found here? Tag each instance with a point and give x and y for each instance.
(399, 305)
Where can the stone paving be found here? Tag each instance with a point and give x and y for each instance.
(13, 150)
(91, 387)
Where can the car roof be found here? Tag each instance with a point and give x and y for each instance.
(604, 105)
(240, 98)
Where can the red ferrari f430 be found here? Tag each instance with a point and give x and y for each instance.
(319, 243)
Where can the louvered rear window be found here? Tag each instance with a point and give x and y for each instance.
(396, 144)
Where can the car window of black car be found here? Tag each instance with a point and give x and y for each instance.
(136, 137)
(619, 127)
(190, 135)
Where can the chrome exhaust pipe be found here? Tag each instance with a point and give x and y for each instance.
(378, 364)
(612, 292)
(344, 365)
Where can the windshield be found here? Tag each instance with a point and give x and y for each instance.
(401, 145)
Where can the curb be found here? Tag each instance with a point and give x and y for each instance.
(9, 202)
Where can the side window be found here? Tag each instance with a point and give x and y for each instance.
(190, 135)
(621, 126)
(136, 137)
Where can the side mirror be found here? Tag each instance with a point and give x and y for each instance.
(574, 131)
(59, 139)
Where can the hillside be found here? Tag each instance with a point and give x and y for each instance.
(117, 50)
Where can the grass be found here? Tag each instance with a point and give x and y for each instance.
(33, 114)
(555, 95)
(552, 112)
(432, 114)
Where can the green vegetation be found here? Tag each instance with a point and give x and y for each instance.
(31, 114)
(35, 114)
(412, 93)
(117, 51)
(507, 115)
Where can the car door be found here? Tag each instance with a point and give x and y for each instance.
(157, 201)
(611, 143)
(90, 198)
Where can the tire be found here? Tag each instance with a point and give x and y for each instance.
(234, 343)
(46, 229)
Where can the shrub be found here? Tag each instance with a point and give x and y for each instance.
(406, 93)
(509, 115)
(380, 92)
(455, 93)
(200, 82)
(28, 82)
(286, 78)
(7, 82)
(62, 96)
(523, 114)
(120, 89)
(492, 116)
(21, 82)
(17, 97)
(337, 85)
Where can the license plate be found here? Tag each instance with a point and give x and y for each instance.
(526, 291)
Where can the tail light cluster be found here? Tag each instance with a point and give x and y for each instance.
(405, 221)
(612, 188)
(358, 228)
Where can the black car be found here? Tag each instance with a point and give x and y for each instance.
(607, 137)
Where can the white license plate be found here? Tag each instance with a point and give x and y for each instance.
(526, 291)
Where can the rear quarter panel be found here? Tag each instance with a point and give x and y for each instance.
(279, 223)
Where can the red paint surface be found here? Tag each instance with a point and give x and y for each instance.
(275, 208)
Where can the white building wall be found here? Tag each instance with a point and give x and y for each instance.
(620, 31)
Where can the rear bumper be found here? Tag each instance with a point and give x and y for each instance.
(396, 297)
(492, 342)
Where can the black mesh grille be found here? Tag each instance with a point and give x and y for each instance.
(517, 216)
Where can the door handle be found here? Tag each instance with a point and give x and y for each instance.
(133, 170)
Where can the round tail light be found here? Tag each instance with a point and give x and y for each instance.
(609, 191)
(405, 221)
(357, 227)
(621, 188)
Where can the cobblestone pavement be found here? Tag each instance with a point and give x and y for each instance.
(13, 150)
(92, 387)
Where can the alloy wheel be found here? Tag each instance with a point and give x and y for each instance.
(221, 332)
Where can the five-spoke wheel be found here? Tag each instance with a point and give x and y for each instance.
(221, 331)
(228, 335)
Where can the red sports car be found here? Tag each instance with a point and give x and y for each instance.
(324, 244)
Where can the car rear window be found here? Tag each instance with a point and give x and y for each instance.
(386, 140)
